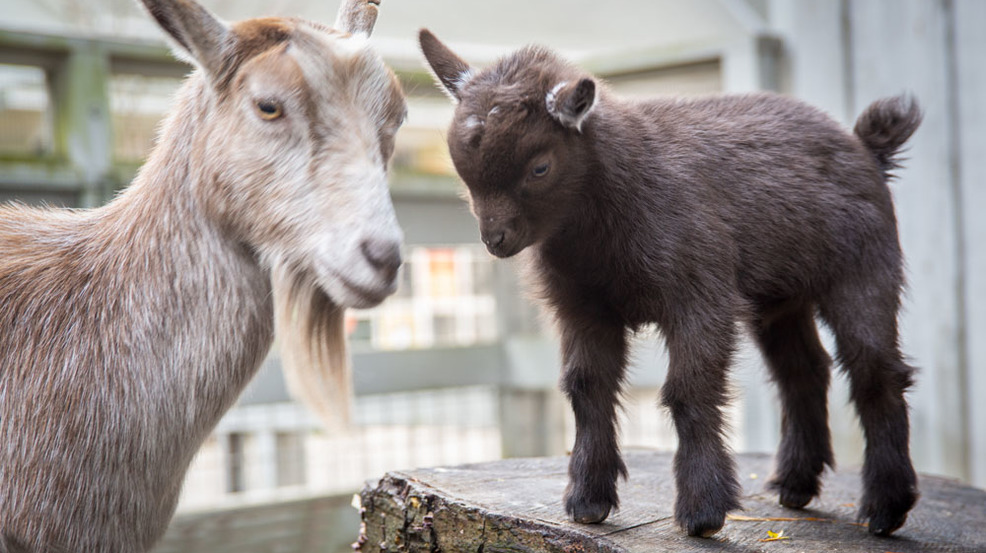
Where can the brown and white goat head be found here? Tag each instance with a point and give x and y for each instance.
(516, 139)
(302, 123)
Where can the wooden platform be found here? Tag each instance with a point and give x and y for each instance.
(515, 506)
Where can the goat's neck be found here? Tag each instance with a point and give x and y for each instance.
(196, 297)
(207, 289)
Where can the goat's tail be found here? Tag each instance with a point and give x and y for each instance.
(885, 126)
(311, 334)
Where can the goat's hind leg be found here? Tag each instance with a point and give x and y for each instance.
(801, 369)
(864, 321)
(594, 355)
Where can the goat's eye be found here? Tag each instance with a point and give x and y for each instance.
(541, 170)
(269, 110)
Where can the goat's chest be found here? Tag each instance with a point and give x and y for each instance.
(607, 281)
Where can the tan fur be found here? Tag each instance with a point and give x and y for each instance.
(312, 336)
(128, 330)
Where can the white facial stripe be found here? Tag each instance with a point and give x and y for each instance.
(315, 70)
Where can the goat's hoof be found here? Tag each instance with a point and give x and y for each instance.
(794, 499)
(702, 512)
(590, 508)
(703, 519)
(795, 492)
(887, 510)
(705, 527)
(885, 521)
(590, 513)
(884, 525)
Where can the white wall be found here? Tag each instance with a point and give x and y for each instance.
(970, 122)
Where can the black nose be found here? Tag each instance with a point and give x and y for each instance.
(494, 239)
(383, 255)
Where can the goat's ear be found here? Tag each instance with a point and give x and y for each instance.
(199, 36)
(448, 68)
(570, 103)
(357, 16)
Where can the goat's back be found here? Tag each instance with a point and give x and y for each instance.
(764, 184)
(751, 200)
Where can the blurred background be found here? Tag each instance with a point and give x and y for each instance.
(458, 367)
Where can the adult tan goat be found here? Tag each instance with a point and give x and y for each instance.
(127, 331)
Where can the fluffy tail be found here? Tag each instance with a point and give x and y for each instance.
(885, 126)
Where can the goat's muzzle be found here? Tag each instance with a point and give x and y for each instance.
(384, 256)
(501, 242)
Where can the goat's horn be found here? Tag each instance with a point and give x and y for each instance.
(357, 16)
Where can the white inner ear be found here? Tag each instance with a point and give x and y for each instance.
(462, 80)
(585, 113)
(453, 86)
(179, 52)
(570, 120)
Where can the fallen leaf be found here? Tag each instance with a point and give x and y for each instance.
(775, 536)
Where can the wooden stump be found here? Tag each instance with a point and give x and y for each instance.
(516, 506)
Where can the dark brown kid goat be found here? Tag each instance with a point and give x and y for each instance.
(695, 215)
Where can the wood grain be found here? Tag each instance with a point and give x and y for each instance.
(516, 506)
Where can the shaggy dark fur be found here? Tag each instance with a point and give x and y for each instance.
(697, 215)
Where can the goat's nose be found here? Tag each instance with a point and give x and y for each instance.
(382, 255)
(494, 239)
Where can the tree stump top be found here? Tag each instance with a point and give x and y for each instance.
(516, 506)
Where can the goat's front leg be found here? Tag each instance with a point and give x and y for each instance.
(695, 392)
(594, 355)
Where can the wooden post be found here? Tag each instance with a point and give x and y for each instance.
(82, 118)
(516, 506)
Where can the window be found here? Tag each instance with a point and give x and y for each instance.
(25, 111)
(446, 298)
(235, 462)
(137, 104)
(290, 459)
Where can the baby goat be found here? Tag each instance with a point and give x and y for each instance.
(127, 331)
(696, 215)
